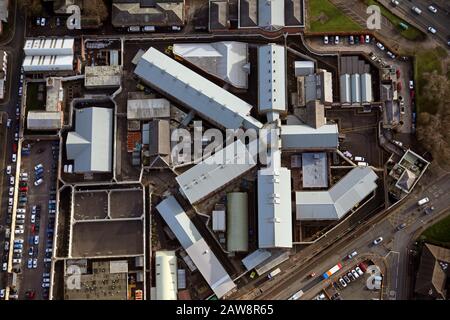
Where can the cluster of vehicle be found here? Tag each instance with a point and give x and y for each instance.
(150, 28)
(361, 39)
(38, 174)
(350, 276)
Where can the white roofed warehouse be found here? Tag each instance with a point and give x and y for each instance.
(226, 60)
(196, 247)
(166, 275)
(335, 203)
(271, 78)
(210, 101)
(274, 208)
(215, 172)
(304, 137)
(90, 145)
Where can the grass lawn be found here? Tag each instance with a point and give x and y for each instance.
(427, 61)
(326, 17)
(411, 33)
(439, 233)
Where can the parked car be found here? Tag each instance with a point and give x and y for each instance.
(377, 241)
(325, 40)
(367, 39)
(358, 269)
(346, 279)
(351, 276)
(14, 157)
(423, 201)
(38, 182)
(355, 274)
(336, 40)
(380, 46)
(8, 170)
(432, 9)
(432, 30)
(400, 226)
(351, 40)
(352, 255)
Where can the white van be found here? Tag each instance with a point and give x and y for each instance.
(423, 201)
(358, 158)
(274, 273)
(362, 164)
(416, 10)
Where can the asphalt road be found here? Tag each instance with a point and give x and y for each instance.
(295, 278)
(440, 20)
(12, 100)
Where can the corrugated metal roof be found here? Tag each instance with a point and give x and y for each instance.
(366, 88)
(49, 46)
(206, 98)
(256, 258)
(177, 220)
(345, 89)
(356, 88)
(90, 145)
(210, 268)
(218, 220)
(215, 171)
(336, 202)
(237, 220)
(303, 68)
(271, 13)
(227, 60)
(37, 120)
(166, 275)
(195, 246)
(274, 208)
(298, 137)
(271, 78)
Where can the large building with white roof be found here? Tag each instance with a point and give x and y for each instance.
(304, 137)
(271, 78)
(166, 275)
(226, 60)
(336, 202)
(216, 171)
(90, 145)
(210, 101)
(196, 247)
(48, 54)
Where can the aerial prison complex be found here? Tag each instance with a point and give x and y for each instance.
(217, 218)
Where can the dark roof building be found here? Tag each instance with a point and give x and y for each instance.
(158, 13)
(431, 280)
(218, 15)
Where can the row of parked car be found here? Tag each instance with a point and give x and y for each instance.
(351, 275)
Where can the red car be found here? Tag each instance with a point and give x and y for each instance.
(399, 86)
(30, 294)
(361, 39)
(398, 73)
(15, 147)
(33, 228)
(24, 189)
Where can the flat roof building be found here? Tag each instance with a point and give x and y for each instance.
(44, 120)
(274, 208)
(147, 109)
(102, 76)
(319, 86)
(157, 13)
(303, 68)
(192, 90)
(271, 78)
(226, 60)
(48, 63)
(49, 47)
(339, 199)
(237, 222)
(215, 172)
(315, 170)
(90, 145)
(303, 137)
(166, 275)
(196, 247)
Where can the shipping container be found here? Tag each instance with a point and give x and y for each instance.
(332, 271)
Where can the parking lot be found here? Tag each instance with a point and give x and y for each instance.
(35, 217)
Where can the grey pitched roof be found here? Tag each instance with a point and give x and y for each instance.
(90, 145)
(339, 199)
(298, 137)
